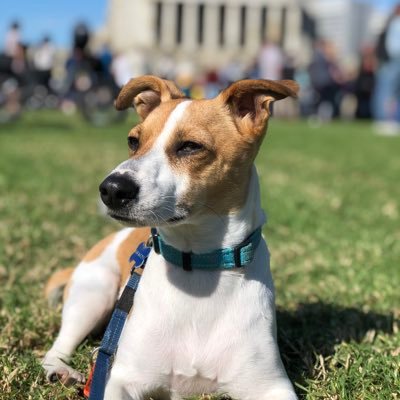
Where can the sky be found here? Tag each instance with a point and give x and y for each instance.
(50, 17)
(385, 5)
(57, 17)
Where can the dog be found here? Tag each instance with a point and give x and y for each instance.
(190, 173)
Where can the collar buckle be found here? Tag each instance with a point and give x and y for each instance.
(237, 251)
(186, 261)
(155, 240)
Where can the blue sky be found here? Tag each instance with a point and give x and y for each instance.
(386, 5)
(53, 17)
(57, 17)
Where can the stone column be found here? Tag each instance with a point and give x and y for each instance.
(168, 26)
(253, 28)
(189, 21)
(210, 26)
(123, 34)
(293, 29)
(232, 26)
(274, 19)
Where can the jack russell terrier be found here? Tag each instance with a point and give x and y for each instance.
(190, 174)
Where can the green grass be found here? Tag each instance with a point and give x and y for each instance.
(332, 196)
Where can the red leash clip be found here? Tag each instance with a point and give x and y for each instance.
(88, 384)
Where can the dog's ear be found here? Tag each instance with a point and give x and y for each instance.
(249, 101)
(145, 93)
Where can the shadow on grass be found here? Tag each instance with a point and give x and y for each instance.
(316, 328)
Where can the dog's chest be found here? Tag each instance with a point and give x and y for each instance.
(187, 326)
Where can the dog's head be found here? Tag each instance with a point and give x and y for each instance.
(188, 157)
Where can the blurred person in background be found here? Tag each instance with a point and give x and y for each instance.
(326, 79)
(252, 70)
(211, 84)
(165, 67)
(106, 58)
(387, 89)
(365, 82)
(121, 69)
(11, 49)
(80, 69)
(81, 36)
(43, 62)
(12, 40)
(83, 69)
(289, 67)
(21, 68)
(270, 60)
(231, 72)
(77, 59)
(289, 107)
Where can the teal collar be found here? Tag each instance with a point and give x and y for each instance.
(227, 258)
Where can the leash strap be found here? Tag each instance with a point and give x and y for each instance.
(113, 332)
(227, 258)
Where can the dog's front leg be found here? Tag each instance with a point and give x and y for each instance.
(126, 383)
(120, 389)
(262, 376)
(91, 296)
(260, 389)
(278, 390)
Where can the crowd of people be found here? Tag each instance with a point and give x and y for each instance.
(328, 89)
(375, 87)
(34, 65)
(40, 76)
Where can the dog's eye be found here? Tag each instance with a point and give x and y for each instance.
(188, 148)
(133, 143)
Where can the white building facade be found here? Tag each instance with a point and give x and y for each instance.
(209, 33)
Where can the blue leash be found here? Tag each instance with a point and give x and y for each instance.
(111, 337)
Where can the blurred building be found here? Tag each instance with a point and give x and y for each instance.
(208, 33)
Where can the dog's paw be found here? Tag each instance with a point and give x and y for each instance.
(58, 370)
(281, 394)
(67, 376)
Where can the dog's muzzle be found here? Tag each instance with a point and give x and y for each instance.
(117, 190)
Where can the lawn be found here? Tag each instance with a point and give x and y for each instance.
(332, 195)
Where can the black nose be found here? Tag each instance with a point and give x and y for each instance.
(117, 190)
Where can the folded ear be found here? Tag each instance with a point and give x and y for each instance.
(249, 101)
(145, 93)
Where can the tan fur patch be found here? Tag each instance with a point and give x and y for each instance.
(155, 90)
(98, 248)
(127, 247)
(230, 129)
(57, 281)
(66, 290)
(148, 131)
(220, 172)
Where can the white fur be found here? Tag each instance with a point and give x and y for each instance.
(160, 187)
(92, 294)
(210, 232)
(189, 332)
(204, 331)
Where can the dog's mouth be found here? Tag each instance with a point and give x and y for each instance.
(154, 220)
(120, 218)
(176, 219)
